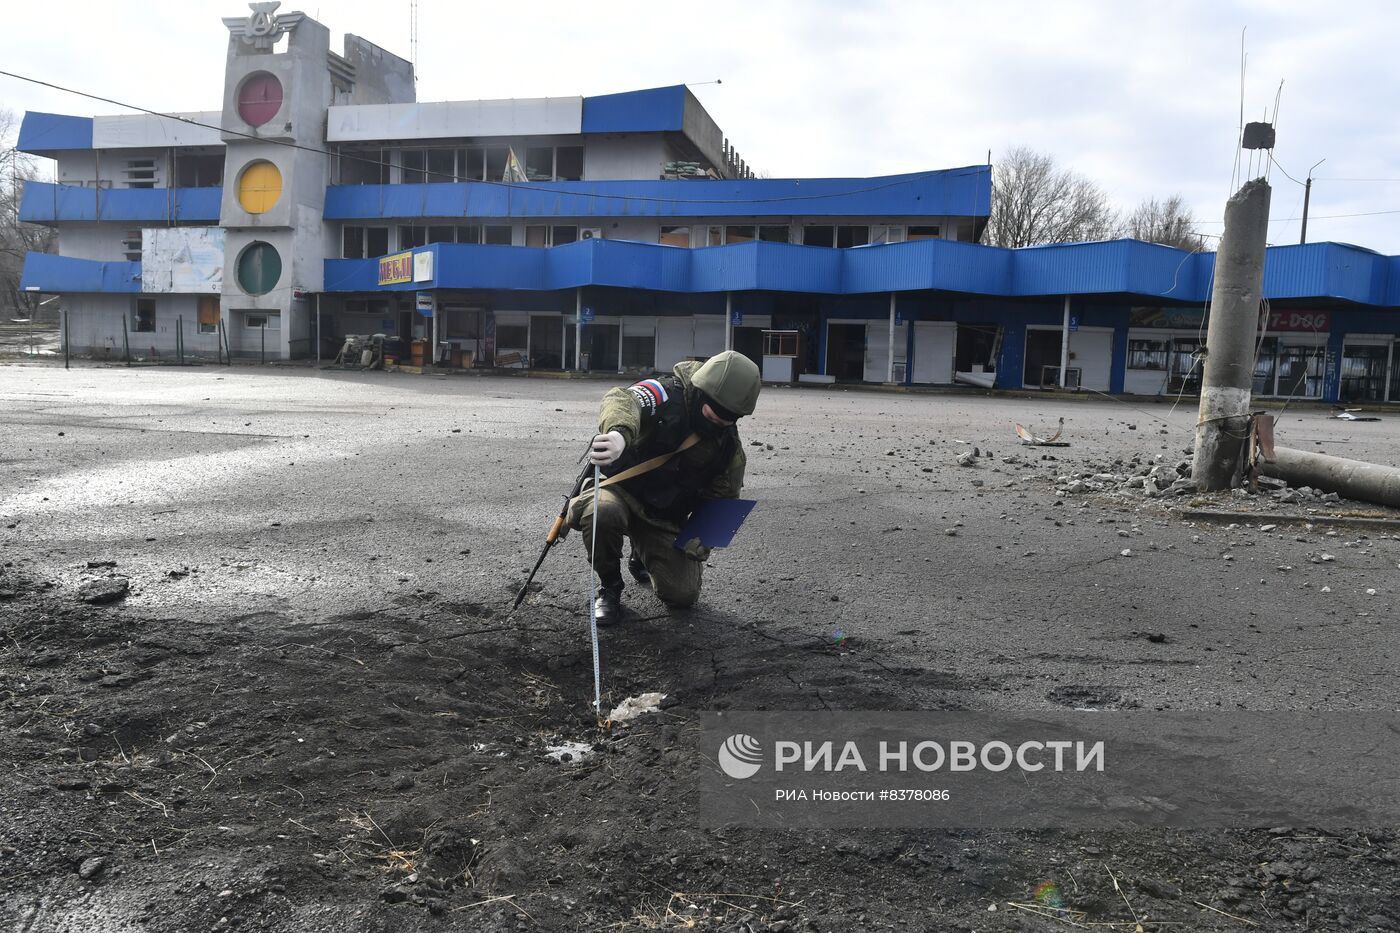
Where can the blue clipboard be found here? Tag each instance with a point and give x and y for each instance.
(715, 522)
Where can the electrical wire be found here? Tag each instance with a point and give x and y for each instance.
(509, 186)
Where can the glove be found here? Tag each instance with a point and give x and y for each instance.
(696, 551)
(607, 448)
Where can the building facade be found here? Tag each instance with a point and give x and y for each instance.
(619, 233)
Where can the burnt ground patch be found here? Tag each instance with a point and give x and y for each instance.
(386, 770)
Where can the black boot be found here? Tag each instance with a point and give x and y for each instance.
(638, 570)
(607, 606)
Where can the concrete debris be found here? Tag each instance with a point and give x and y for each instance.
(636, 706)
(104, 591)
(91, 867)
(967, 458)
(569, 752)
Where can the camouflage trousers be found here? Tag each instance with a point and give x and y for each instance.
(674, 576)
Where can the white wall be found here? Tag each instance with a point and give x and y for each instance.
(95, 326)
(101, 242)
(144, 131)
(935, 343)
(877, 349)
(455, 119)
(623, 157)
(1091, 349)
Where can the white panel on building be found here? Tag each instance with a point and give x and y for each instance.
(146, 131)
(456, 118)
(182, 260)
(709, 334)
(675, 340)
(1092, 352)
(877, 351)
(935, 344)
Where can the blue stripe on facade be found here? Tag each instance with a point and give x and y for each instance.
(50, 203)
(1151, 273)
(650, 111)
(41, 133)
(1140, 272)
(954, 192)
(64, 274)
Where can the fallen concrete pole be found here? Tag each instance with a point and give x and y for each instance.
(1354, 479)
(1228, 376)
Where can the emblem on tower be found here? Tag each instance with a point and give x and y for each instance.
(264, 27)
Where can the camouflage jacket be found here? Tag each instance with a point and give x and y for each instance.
(655, 416)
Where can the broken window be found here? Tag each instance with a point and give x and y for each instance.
(819, 236)
(199, 171)
(539, 163)
(1363, 372)
(412, 236)
(675, 236)
(353, 242)
(473, 164)
(568, 163)
(442, 234)
(364, 167)
(922, 233)
(716, 236)
(1147, 354)
(564, 233)
(849, 236)
(412, 162)
(144, 321)
(496, 163)
(639, 353)
(208, 314)
(376, 241)
(740, 234)
(441, 165)
(774, 233)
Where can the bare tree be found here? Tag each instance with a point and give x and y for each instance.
(1168, 222)
(16, 237)
(1034, 202)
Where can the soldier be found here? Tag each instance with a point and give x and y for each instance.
(654, 418)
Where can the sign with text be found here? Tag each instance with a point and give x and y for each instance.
(426, 304)
(1048, 769)
(1287, 321)
(396, 269)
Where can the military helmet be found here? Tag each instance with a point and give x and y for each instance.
(731, 380)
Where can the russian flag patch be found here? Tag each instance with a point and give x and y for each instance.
(649, 393)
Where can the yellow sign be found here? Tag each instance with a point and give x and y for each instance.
(396, 269)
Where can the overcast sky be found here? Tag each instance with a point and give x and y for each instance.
(1142, 97)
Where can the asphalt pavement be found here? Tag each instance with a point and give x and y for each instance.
(316, 493)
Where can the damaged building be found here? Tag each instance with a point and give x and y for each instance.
(617, 233)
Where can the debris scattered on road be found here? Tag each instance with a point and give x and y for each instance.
(569, 752)
(91, 867)
(104, 591)
(633, 707)
(1031, 439)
